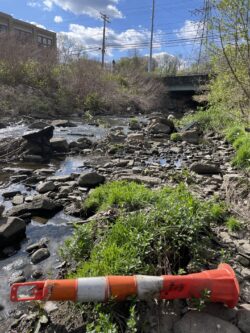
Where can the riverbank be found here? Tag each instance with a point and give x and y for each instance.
(138, 150)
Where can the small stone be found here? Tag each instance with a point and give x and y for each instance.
(40, 255)
(18, 200)
(50, 307)
(37, 274)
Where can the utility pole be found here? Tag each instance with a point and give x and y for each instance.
(105, 20)
(151, 38)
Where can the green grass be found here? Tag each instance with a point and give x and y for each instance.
(233, 224)
(120, 194)
(171, 229)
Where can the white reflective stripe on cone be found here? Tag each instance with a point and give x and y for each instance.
(148, 287)
(92, 289)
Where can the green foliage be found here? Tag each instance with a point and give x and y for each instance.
(171, 228)
(175, 137)
(233, 224)
(241, 142)
(93, 102)
(119, 194)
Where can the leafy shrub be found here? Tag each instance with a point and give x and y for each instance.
(175, 137)
(93, 102)
(233, 224)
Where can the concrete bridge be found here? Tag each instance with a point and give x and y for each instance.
(186, 83)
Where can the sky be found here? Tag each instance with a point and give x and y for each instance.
(78, 21)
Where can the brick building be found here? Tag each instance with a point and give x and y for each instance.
(26, 32)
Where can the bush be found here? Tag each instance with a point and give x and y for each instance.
(175, 137)
(233, 224)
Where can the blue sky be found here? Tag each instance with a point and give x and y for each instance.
(79, 21)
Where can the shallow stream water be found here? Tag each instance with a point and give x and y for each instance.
(57, 228)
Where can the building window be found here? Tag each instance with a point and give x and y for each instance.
(22, 35)
(44, 41)
(3, 28)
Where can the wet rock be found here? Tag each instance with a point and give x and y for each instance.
(117, 137)
(59, 145)
(2, 125)
(12, 230)
(133, 137)
(62, 123)
(10, 194)
(38, 125)
(90, 179)
(40, 255)
(36, 274)
(134, 125)
(18, 200)
(161, 126)
(196, 322)
(190, 136)
(142, 179)
(84, 143)
(36, 246)
(46, 187)
(2, 208)
(17, 277)
(33, 158)
(205, 169)
(40, 206)
(38, 142)
(243, 319)
(60, 179)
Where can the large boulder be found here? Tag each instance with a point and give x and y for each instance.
(38, 142)
(90, 179)
(84, 143)
(59, 145)
(195, 322)
(192, 136)
(205, 169)
(161, 125)
(12, 230)
(40, 206)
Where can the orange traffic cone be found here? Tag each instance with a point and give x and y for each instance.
(221, 283)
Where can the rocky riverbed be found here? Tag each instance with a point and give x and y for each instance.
(47, 172)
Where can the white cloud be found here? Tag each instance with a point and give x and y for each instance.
(33, 4)
(191, 29)
(89, 7)
(58, 19)
(91, 38)
(48, 4)
(38, 25)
